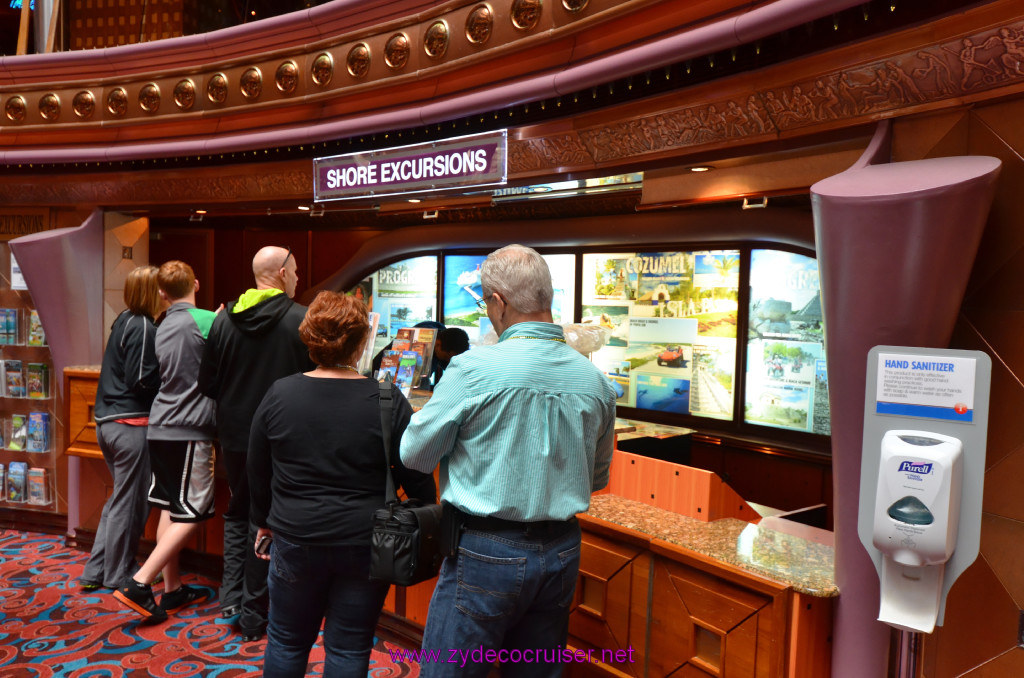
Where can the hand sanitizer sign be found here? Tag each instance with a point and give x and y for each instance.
(932, 387)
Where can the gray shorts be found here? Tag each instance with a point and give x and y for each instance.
(182, 478)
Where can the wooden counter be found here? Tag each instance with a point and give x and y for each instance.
(204, 551)
(80, 385)
(661, 594)
(806, 566)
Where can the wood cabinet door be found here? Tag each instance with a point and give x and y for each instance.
(702, 625)
(603, 620)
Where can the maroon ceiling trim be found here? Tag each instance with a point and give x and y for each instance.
(294, 29)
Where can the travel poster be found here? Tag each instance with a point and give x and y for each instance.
(605, 277)
(403, 293)
(787, 384)
(662, 277)
(785, 297)
(462, 291)
(612, 362)
(717, 269)
(711, 385)
(663, 393)
(780, 405)
(661, 345)
(614, 319)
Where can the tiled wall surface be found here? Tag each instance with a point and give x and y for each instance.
(108, 23)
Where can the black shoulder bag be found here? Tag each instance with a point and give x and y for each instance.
(405, 547)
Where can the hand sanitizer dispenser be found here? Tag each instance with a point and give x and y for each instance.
(917, 509)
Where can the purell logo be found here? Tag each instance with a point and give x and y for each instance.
(911, 467)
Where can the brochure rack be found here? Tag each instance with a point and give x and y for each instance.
(29, 411)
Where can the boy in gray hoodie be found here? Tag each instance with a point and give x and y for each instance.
(181, 433)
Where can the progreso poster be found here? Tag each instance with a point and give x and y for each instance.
(404, 293)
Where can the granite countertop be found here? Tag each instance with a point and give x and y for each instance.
(806, 566)
(627, 429)
(83, 368)
(418, 398)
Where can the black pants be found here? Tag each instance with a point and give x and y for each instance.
(244, 581)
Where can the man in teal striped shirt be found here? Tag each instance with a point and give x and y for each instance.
(523, 432)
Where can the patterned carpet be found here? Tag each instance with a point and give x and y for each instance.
(51, 629)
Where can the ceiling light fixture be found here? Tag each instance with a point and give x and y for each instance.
(702, 168)
(748, 205)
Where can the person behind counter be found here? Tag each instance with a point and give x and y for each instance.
(129, 379)
(451, 342)
(315, 451)
(524, 431)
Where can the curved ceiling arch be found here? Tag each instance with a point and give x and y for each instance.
(428, 95)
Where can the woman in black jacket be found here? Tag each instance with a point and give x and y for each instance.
(316, 474)
(129, 380)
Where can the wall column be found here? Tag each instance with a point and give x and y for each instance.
(896, 243)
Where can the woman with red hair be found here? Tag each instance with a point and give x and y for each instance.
(316, 474)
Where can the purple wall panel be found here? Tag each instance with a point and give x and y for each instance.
(64, 272)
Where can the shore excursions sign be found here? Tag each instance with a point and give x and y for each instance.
(474, 160)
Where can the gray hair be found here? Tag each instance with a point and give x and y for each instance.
(520, 275)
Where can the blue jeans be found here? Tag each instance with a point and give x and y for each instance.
(503, 590)
(310, 584)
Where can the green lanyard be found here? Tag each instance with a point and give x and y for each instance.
(562, 341)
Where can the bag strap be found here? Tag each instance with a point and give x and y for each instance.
(386, 407)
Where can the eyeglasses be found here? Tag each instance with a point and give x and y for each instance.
(481, 303)
(286, 256)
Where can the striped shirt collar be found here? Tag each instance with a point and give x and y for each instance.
(535, 330)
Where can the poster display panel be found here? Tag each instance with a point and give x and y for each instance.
(403, 293)
(670, 319)
(462, 292)
(786, 381)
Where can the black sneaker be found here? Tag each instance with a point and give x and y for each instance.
(139, 597)
(231, 612)
(180, 597)
(88, 585)
(252, 636)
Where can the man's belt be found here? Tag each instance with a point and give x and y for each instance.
(536, 529)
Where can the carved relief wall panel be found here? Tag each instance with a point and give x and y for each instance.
(968, 64)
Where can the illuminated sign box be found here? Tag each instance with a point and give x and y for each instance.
(474, 160)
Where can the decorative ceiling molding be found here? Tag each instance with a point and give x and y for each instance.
(898, 75)
(347, 85)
